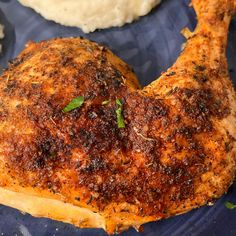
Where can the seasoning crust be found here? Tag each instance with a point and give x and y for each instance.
(174, 152)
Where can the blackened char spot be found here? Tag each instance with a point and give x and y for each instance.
(201, 103)
(95, 164)
(46, 153)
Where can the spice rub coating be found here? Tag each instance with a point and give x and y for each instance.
(175, 153)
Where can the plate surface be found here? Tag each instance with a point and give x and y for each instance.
(8, 42)
(150, 46)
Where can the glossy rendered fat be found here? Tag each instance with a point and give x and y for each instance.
(175, 153)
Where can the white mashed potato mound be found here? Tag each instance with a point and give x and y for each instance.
(90, 15)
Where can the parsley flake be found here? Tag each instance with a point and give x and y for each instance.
(105, 102)
(230, 205)
(73, 104)
(119, 116)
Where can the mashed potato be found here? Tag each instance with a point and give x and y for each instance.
(90, 15)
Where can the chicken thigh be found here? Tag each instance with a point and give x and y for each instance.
(81, 142)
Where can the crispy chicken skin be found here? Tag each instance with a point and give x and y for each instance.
(176, 152)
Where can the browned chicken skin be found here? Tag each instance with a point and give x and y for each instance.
(176, 152)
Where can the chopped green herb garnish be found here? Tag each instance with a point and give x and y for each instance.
(119, 116)
(73, 104)
(105, 102)
(230, 205)
(118, 102)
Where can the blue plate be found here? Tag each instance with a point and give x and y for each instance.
(150, 46)
(8, 42)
